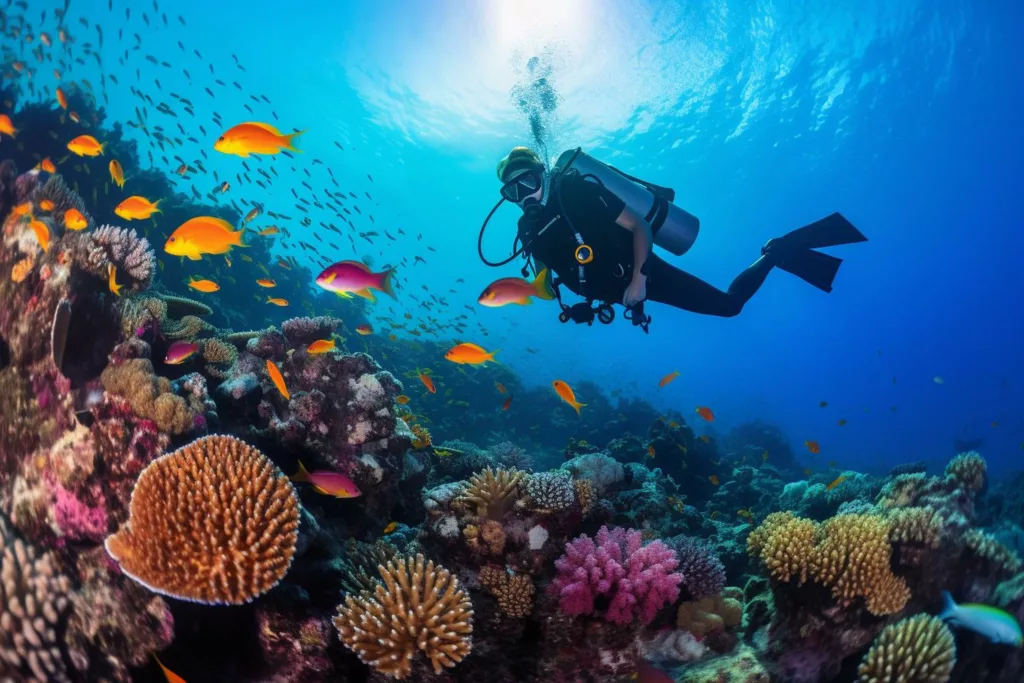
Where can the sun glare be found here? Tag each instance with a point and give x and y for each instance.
(519, 22)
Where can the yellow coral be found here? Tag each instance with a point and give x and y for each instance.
(714, 613)
(586, 496)
(419, 607)
(421, 437)
(918, 525)
(902, 490)
(853, 560)
(217, 351)
(920, 649)
(188, 328)
(213, 522)
(148, 395)
(514, 592)
(986, 546)
(492, 492)
(785, 545)
(968, 470)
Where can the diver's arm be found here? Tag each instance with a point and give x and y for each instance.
(643, 238)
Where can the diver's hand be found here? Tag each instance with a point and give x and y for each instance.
(636, 292)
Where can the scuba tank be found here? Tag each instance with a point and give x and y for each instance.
(675, 229)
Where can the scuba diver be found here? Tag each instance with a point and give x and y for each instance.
(595, 226)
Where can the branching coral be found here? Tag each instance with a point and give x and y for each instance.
(984, 545)
(714, 613)
(853, 559)
(902, 491)
(920, 649)
(551, 491)
(492, 492)
(419, 607)
(638, 579)
(968, 470)
(33, 599)
(304, 331)
(514, 592)
(918, 525)
(702, 570)
(150, 396)
(213, 522)
(123, 248)
(785, 545)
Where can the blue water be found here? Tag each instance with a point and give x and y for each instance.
(764, 116)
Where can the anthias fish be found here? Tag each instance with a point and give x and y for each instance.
(514, 290)
(346, 278)
(327, 482)
(203, 235)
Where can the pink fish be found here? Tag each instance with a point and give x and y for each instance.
(328, 483)
(514, 290)
(352, 277)
(179, 352)
(647, 673)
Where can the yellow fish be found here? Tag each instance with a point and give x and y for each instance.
(42, 233)
(390, 528)
(838, 480)
(112, 274)
(203, 235)
(204, 286)
(277, 302)
(266, 283)
(255, 138)
(136, 208)
(74, 220)
(86, 146)
(117, 173)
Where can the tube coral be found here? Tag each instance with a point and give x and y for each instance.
(214, 522)
(920, 649)
(419, 607)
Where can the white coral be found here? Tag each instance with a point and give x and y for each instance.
(538, 537)
(366, 390)
(602, 470)
(360, 432)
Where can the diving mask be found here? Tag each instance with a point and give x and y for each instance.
(521, 186)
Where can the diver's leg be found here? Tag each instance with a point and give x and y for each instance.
(675, 287)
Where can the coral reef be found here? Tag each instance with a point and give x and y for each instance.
(920, 649)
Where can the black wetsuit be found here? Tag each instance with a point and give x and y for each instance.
(592, 211)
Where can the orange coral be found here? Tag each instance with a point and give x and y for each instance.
(213, 522)
(586, 496)
(419, 607)
(421, 437)
(492, 492)
(21, 269)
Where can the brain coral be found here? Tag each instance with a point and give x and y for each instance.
(213, 522)
(418, 607)
(916, 650)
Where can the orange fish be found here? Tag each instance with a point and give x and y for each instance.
(278, 379)
(277, 302)
(500, 387)
(86, 146)
(268, 283)
(182, 170)
(427, 382)
(390, 528)
(255, 138)
(514, 290)
(42, 233)
(705, 413)
(6, 126)
(364, 330)
(813, 447)
(23, 209)
(112, 280)
(74, 220)
(650, 451)
(470, 354)
(136, 208)
(203, 235)
(667, 379)
(204, 286)
(73, 115)
(117, 173)
(47, 165)
(168, 674)
(266, 232)
(46, 205)
(402, 399)
(714, 480)
(321, 346)
(62, 99)
(838, 480)
(565, 393)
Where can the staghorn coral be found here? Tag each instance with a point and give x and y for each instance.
(920, 649)
(702, 570)
(785, 545)
(968, 470)
(984, 545)
(214, 522)
(149, 396)
(919, 525)
(33, 600)
(714, 613)
(123, 248)
(492, 492)
(551, 491)
(417, 607)
(853, 560)
(514, 592)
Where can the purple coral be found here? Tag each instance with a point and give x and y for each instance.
(305, 331)
(120, 247)
(639, 578)
(702, 570)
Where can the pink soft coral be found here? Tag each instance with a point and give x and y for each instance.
(638, 578)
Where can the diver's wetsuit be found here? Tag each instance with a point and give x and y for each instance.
(593, 211)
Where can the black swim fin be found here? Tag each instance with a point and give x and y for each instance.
(812, 267)
(830, 231)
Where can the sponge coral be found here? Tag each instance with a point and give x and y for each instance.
(214, 522)
(968, 470)
(418, 607)
(920, 649)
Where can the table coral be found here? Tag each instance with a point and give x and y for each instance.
(213, 522)
(418, 607)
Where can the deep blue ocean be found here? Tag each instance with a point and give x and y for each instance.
(763, 116)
